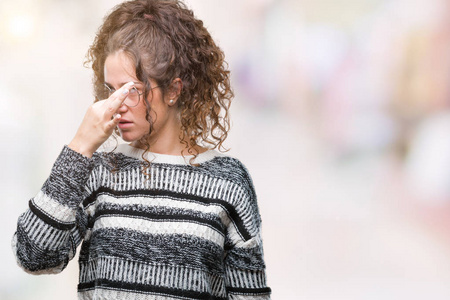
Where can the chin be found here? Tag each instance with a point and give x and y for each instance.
(129, 137)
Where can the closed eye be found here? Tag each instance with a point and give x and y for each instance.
(110, 88)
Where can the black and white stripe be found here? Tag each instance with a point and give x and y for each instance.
(138, 276)
(172, 232)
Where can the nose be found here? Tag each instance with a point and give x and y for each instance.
(123, 108)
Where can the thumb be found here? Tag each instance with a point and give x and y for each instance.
(113, 123)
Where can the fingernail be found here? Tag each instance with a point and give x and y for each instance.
(130, 83)
(125, 91)
(118, 116)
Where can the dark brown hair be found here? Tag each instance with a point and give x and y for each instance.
(165, 41)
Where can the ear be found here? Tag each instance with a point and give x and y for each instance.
(174, 92)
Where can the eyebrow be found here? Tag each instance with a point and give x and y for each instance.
(122, 84)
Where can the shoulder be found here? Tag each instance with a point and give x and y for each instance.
(245, 212)
(228, 166)
(231, 169)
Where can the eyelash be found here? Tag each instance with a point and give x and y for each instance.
(112, 90)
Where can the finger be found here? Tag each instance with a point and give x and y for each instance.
(113, 122)
(116, 99)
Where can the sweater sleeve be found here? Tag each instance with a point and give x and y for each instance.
(49, 232)
(244, 260)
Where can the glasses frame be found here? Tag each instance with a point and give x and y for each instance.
(112, 90)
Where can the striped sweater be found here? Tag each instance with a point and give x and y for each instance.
(173, 231)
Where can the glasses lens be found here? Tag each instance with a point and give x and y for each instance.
(132, 98)
(109, 91)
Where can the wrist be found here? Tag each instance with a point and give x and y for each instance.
(81, 148)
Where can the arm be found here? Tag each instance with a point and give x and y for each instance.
(49, 232)
(245, 271)
(244, 261)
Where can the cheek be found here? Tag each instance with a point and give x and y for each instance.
(141, 112)
(155, 113)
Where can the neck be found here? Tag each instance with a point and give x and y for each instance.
(166, 140)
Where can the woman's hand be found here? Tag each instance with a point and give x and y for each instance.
(99, 122)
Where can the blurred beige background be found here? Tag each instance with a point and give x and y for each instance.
(342, 116)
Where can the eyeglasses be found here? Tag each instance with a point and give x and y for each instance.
(133, 97)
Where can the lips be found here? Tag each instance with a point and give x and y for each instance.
(123, 124)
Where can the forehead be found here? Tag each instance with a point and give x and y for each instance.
(119, 69)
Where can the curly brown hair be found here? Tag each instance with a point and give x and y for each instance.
(166, 41)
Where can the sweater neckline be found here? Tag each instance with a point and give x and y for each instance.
(153, 157)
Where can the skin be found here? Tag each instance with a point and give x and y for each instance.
(103, 116)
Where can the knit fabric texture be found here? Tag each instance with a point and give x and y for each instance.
(172, 231)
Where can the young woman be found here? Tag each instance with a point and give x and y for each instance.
(165, 216)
